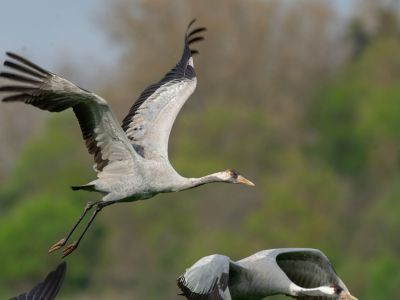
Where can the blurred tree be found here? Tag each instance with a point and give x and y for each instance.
(37, 207)
(256, 60)
(274, 101)
(17, 123)
(355, 121)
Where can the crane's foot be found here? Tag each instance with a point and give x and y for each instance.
(69, 249)
(57, 245)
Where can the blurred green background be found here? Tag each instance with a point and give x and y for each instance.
(298, 96)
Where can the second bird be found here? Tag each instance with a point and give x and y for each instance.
(131, 160)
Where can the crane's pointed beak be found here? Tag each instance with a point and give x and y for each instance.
(346, 296)
(241, 179)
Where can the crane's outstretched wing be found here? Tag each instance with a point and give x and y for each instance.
(308, 268)
(207, 279)
(48, 289)
(150, 119)
(101, 131)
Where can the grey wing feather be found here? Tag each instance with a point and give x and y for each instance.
(150, 119)
(207, 279)
(49, 288)
(104, 138)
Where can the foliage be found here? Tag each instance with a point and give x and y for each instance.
(38, 207)
(355, 122)
(319, 139)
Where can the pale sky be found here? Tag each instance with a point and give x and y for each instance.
(48, 31)
(45, 31)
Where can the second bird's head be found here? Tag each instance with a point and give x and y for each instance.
(232, 176)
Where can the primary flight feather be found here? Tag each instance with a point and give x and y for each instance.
(47, 289)
(131, 160)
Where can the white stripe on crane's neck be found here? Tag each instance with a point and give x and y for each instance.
(327, 290)
(319, 291)
(190, 62)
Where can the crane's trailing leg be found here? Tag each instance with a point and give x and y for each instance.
(99, 206)
(63, 241)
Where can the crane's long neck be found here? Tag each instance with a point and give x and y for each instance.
(188, 183)
(318, 291)
(321, 291)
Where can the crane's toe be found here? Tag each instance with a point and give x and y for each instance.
(69, 249)
(57, 245)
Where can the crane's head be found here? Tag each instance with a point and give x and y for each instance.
(334, 291)
(342, 294)
(232, 176)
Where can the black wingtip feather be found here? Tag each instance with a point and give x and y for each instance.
(49, 288)
(195, 39)
(15, 98)
(23, 69)
(191, 23)
(197, 30)
(191, 37)
(85, 187)
(179, 71)
(18, 77)
(181, 282)
(53, 282)
(16, 88)
(27, 63)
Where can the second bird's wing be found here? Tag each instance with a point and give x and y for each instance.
(308, 268)
(103, 136)
(48, 289)
(150, 119)
(207, 279)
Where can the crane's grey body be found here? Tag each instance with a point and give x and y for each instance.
(142, 182)
(131, 160)
(298, 272)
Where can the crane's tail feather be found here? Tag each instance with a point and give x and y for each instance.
(85, 187)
